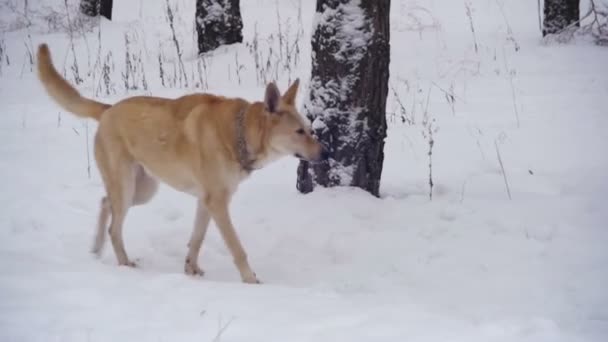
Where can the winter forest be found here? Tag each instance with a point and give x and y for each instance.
(299, 170)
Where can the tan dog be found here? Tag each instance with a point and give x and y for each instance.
(201, 144)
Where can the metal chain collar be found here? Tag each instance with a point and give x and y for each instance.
(242, 151)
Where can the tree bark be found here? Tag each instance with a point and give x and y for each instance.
(93, 8)
(560, 14)
(348, 90)
(218, 22)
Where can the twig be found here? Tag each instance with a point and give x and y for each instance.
(222, 329)
(510, 34)
(428, 125)
(464, 184)
(74, 67)
(446, 92)
(280, 30)
(450, 96)
(510, 74)
(182, 68)
(504, 174)
(470, 16)
(403, 116)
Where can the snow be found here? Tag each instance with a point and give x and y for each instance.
(337, 264)
(350, 27)
(216, 11)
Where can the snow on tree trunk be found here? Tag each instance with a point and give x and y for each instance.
(559, 14)
(348, 89)
(93, 8)
(218, 22)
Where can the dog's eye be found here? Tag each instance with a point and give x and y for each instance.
(300, 131)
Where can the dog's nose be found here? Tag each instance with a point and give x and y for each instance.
(324, 154)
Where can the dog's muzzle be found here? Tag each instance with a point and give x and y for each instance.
(323, 156)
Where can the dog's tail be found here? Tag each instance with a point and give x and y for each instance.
(62, 92)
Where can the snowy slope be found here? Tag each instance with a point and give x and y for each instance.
(337, 264)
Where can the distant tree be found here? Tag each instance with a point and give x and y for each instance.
(348, 90)
(560, 14)
(218, 22)
(93, 8)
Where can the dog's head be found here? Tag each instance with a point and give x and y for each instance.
(290, 133)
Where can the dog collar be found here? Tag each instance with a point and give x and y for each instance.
(243, 155)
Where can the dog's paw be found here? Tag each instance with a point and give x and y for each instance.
(96, 251)
(251, 279)
(97, 247)
(193, 269)
(128, 263)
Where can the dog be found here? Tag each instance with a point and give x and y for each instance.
(200, 144)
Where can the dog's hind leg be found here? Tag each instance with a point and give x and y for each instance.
(119, 174)
(121, 192)
(201, 223)
(145, 189)
(131, 186)
(102, 225)
(101, 158)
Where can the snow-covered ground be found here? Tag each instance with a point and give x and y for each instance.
(337, 264)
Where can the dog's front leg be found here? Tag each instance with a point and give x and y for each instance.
(218, 207)
(196, 239)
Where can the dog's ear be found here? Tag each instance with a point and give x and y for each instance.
(290, 95)
(271, 99)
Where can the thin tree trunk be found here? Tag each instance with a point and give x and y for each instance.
(348, 90)
(93, 8)
(218, 22)
(560, 14)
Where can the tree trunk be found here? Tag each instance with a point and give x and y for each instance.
(559, 14)
(348, 89)
(218, 22)
(93, 8)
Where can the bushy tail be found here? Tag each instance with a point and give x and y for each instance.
(62, 92)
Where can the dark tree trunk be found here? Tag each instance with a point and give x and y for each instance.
(218, 22)
(348, 89)
(559, 14)
(93, 8)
